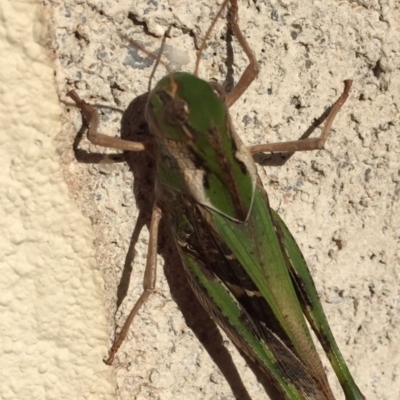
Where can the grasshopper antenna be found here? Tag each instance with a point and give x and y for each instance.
(203, 43)
(157, 58)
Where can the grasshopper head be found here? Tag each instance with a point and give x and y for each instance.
(199, 152)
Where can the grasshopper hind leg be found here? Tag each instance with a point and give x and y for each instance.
(149, 282)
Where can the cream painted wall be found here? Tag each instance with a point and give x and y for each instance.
(52, 319)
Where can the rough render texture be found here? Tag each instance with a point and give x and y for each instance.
(52, 323)
(342, 203)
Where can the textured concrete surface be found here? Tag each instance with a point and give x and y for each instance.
(52, 322)
(342, 203)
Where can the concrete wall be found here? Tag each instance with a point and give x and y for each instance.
(341, 203)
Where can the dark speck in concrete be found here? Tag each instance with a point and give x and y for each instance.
(275, 15)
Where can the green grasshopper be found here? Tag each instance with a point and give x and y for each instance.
(240, 258)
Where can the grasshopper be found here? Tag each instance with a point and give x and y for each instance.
(240, 258)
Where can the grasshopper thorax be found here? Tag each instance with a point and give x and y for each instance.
(198, 151)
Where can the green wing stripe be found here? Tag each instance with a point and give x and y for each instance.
(313, 310)
(257, 247)
(288, 372)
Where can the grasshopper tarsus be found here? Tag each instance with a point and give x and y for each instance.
(334, 110)
(110, 359)
(125, 329)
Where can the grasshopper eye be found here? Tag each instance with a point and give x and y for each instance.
(177, 112)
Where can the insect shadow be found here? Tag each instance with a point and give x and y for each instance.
(134, 127)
